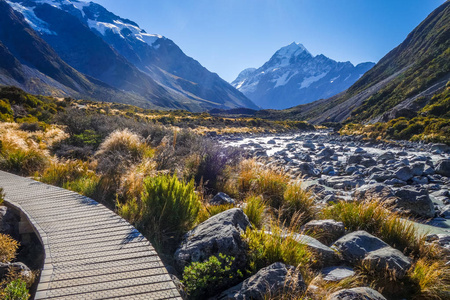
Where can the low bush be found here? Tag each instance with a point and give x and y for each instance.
(8, 248)
(166, 210)
(15, 290)
(2, 195)
(208, 278)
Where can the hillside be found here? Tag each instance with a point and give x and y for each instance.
(416, 69)
(121, 62)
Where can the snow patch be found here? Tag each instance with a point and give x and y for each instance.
(333, 79)
(31, 18)
(282, 80)
(310, 80)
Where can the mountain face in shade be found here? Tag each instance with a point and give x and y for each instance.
(399, 85)
(293, 76)
(151, 69)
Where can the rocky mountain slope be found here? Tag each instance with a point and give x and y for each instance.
(293, 76)
(399, 85)
(144, 69)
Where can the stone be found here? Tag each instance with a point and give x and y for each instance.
(219, 234)
(303, 157)
(368, 162)
(9, 221)
(354, 159)
(359, 293)
(350, 170)
(445, 212)
(268, 281)
(326, 231)
(343, 182)
(385, 156)
(440, 148)
(326, 255)
(404, 173)
(389, 259)
(376, 191)
(272, 142)
(220, 199)
(18, 267)
(328, 170)
(326, 152)
(309, 145)
(417, 168)
(413, 201)
(334, 274)
(359, 150)
(356, 245)
(443, 167)
(308, 169)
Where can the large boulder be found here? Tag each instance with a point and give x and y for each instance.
(326, 231)
(377, 191)
(356, 245)
(443, 167)
(221, 198)
(308, 169)
(9, 222)
(334, 274)
(404, 173)
(326, 255)
(18, 267)
(219, 234)
(388, 258)
(359, 293)
(267, 282)
(415, 202)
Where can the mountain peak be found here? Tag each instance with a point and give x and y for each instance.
(291, 50)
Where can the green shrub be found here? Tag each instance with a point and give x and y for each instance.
(16, 290)
(277, 245)
(207, 211)
(2, 196)
(254, 209)
(166, 210)
(208, 278)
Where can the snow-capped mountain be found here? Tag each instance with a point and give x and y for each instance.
(118, 53)
(294, 76)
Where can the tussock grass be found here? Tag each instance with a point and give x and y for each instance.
(379, 221)
(166, 210)
(8, 248)
(277, 245)
(207, 211)
(297, 201)
(432, 279)
(255, 210)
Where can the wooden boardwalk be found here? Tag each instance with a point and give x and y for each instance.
(90, 252)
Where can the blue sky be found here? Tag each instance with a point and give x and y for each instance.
(227, 36)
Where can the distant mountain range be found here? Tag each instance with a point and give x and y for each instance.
(293, 76)
(80, 49)
(400, 84)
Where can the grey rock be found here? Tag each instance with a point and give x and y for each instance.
(335, 274)
(327, 152)
(359, 293)
(219, 234)
(343, 182)
(428, 170)
(374, 191)
(389, 259)
(350, 170)
(308, 169)
(267, 281)
(413, 201)
(445, 212)
(368, 162)
(440, 148)
(356, 245)
(354, 159)
(404, 173)
(18, 267)
(420, 180)
(327, 256)
(9, 221)
(309, 145)
(417, 168)
(326, 231)
(443, 167)
(221, 198)
(386, 156)
(272, 142)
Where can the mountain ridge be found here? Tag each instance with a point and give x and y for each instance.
(293, 76)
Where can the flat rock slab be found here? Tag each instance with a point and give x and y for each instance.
(90, 252)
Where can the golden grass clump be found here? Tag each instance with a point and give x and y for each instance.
(255, 210)
(257, 179)
(123, 143)
(379, 221)
(8, 248)
(207, 211)
(297, 201)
